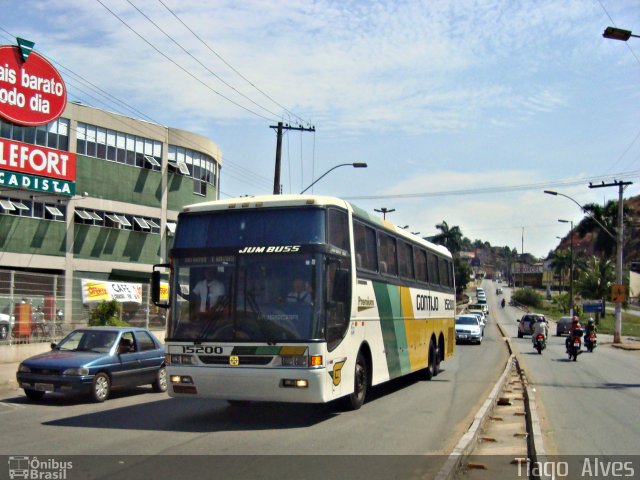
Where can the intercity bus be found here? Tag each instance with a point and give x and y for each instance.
(377, 301)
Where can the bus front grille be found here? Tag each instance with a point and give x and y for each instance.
(242, 359)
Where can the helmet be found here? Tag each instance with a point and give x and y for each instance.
(591, 320)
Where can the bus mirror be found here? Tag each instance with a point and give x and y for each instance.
(341, 282)
(155, 287)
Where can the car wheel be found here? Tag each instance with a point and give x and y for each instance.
(160, 383)
(33, 394)
(101, 387)
(4, 332)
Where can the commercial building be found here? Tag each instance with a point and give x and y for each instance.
(109, 219)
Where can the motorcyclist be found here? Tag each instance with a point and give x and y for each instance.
(590, 328)
(503, 303)
(576, 331)
(539, 327)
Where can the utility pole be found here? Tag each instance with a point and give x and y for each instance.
(619, 287)
(277, 189)
(522, 261)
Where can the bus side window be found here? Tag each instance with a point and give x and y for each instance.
(338, 229)
(365, 244)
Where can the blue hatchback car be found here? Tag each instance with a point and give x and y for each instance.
(93, 361)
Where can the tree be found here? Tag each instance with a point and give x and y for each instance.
(560, 263)
(596, 279)
(450, 237)
(106, 314)
(597, 216)
(462, 274)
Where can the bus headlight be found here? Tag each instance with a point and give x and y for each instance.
(172, 359)
(295, 361)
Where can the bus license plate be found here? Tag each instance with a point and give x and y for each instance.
(44, 387)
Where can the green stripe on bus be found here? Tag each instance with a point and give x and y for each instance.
(393, 335)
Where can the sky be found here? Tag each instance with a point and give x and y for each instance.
(464, 111)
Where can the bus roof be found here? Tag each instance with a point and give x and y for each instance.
(267, 201)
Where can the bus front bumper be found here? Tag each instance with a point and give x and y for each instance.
(249, 384)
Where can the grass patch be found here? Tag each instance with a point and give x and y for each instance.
(630, 323)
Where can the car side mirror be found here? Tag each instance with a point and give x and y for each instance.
(54, 346)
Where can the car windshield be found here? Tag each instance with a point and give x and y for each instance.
(466, 321)
(99, 341)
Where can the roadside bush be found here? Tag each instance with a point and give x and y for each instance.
(527, 296)
(106, 314)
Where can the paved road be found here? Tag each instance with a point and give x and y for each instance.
(589, 407)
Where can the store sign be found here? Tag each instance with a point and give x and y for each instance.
(32, 91)
(37, 184)
(104, 291)
(23, 165)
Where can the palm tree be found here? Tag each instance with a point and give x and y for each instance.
(560, 262)
(596, 280)
(450, 237)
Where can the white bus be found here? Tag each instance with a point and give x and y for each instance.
(310, 299)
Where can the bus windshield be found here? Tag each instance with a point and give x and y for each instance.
(264, 298)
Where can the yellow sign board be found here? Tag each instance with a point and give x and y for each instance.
(618, 293)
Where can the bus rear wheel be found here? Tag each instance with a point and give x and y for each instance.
(434, 366)
(360, 383)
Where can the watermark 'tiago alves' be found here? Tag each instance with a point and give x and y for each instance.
(591, 467)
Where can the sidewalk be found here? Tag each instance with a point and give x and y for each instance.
(8, 383)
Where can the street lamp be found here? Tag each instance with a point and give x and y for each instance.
(384, 211)
(354, 165)
(614, 33)
(551, 192)
(571, 266)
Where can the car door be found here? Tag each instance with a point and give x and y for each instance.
(151, 356)
(129, 371)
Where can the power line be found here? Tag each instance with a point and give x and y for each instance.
(493, 189)
(229, 65)
(180, 66)
(199, 62)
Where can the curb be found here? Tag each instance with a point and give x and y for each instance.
(466, 444)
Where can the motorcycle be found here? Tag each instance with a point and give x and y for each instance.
(574, 345)
(590, 341)
(540, 343)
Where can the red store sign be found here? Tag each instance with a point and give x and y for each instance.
(37, 160)
(31, 92)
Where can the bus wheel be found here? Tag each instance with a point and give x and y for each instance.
(430, 371)
(360, 383)
(436, 365)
